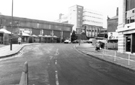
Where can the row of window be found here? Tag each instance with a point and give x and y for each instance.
(93, 30)
(4, 22)
(93, 13)
(92, 17)
(130, 20)
(93, 21)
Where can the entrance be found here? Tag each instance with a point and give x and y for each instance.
(128, 43)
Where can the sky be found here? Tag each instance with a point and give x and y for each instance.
(49, 10)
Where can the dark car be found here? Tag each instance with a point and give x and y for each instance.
(75, 41)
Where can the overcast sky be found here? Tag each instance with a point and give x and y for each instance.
(49, 9)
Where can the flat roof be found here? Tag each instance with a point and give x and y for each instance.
(35, 20)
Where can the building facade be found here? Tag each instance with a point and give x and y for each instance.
(126, 26)
(82, 18)
(112, 24)
(31, 27)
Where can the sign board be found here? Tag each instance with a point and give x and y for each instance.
(25, 30)
(112, 35)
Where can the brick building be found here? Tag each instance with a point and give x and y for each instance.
(46, 31)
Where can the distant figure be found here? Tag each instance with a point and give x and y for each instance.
(97, 46)
(102, 45)
(19, 40)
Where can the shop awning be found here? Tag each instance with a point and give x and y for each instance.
(40, 35)
(5, 31)
(34, 36)
(25, 34)
(47, 36)
(54, 36)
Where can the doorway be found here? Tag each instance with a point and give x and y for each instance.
(128, 43)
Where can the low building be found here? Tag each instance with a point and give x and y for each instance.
(40, 28)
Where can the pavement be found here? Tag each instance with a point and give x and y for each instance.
(123, 59)
(6, 52)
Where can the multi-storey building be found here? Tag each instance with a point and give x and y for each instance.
(83, 19)
(126, 26)
(40, 28)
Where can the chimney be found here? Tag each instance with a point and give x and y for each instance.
(60, 15)
(117, 11)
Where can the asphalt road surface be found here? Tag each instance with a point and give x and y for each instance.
(62, 64)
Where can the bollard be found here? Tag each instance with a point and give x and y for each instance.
(26, 71)
(129, 59)
(23, 80)
(115, 55)
(24, 76)
(103, 53)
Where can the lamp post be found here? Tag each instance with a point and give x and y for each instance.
(11, 26)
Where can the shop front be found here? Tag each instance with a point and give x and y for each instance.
(130, 43)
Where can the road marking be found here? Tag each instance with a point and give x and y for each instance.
(57, 52)
(56, 76)
(55, 62)
(51, 57)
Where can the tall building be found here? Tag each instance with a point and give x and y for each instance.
(126, 26)
(75, 17)
(84, 19)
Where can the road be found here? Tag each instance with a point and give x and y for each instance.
(62, 64)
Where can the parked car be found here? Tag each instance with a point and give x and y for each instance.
(67, 41)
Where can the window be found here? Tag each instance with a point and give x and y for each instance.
(80, 7)
(133, 11)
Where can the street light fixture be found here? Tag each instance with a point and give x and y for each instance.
(11, 26)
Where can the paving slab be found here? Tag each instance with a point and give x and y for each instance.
(6, 52)
(121, 59)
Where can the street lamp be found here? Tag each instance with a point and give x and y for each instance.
(11, 26)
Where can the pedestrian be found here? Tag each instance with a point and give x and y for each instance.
(97, 46)
(19, 40)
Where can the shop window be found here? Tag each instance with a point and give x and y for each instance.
(133, 11)
(132, 20)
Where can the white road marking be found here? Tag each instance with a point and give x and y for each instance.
(56, 76)
(55, 62)
(57, 52)
(51, 57)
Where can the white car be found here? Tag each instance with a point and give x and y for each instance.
(67, 41)
(90, 40)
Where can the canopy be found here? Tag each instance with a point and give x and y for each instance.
(47, 36)
(25, 34)
(5, 31)
(34, 36)
(54, 36)
(40, 35)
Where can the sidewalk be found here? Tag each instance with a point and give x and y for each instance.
(6, 52)
(122, 59)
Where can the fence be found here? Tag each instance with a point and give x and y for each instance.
(125, 59)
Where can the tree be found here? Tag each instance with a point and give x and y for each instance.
(73, 36)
